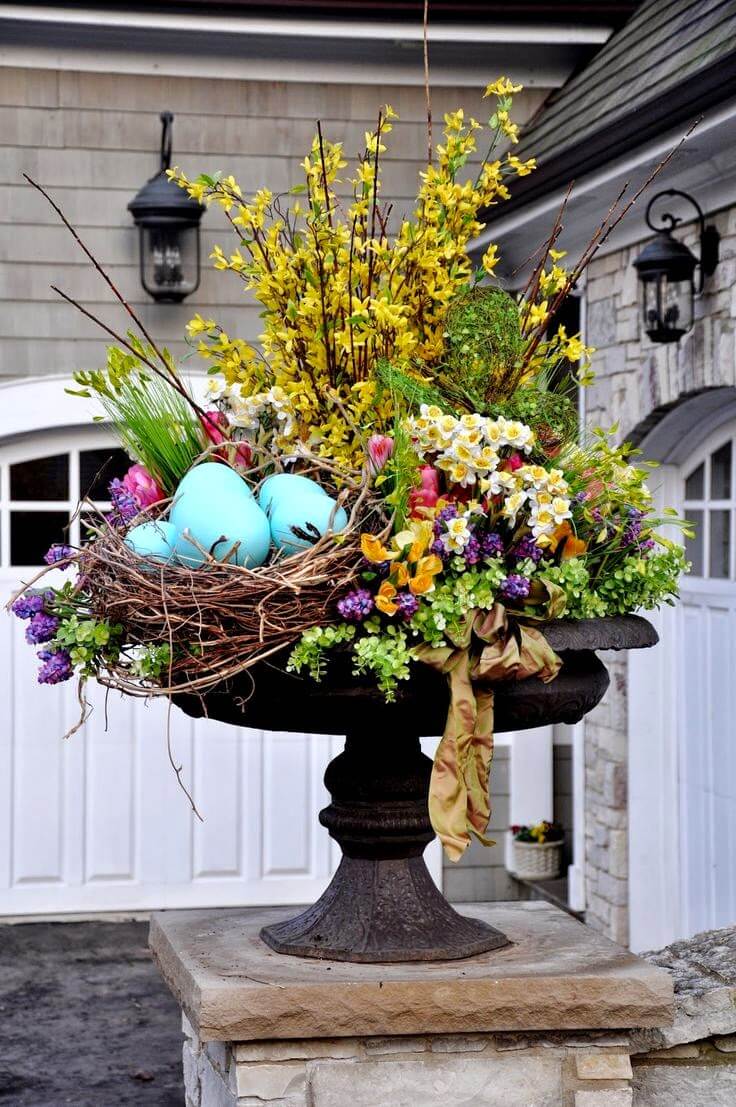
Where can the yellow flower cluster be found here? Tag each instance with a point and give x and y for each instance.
(339, 291)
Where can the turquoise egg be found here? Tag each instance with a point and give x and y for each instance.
(152, 541)
(215, 478)
(300, 511)
(286, 487)
(214, 509)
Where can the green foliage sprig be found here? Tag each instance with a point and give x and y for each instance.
(154, 422)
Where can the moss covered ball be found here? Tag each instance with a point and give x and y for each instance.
(483, 340)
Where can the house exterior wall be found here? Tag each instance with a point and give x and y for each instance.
(92, 139)
(633, 377)
(481, 875)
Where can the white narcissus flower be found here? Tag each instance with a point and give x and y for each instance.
(513, 505)
(543, 523)
(501, 482)
(458, 534)
(560, 510)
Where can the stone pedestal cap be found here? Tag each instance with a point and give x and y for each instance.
(556, 975)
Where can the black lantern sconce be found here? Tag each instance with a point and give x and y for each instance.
(666, 270)
(168, 222)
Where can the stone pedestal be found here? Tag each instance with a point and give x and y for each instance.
(539, 1021)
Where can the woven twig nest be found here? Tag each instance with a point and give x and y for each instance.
(218, 619)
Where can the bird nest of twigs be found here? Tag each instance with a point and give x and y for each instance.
(218, 619)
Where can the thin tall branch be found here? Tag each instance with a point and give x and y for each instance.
(427, 97)
(108, 281)
(171, 379)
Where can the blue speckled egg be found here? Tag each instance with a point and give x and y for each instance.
(303, 511)
(214, 509)
(152, 541)
(286, 488)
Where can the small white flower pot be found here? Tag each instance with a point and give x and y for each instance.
(535, 861)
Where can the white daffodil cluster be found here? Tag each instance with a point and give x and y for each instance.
(467, 449)
(248, 412)
(543, 493)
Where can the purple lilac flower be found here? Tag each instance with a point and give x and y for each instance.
(581, 497)
(408, 604)
(524, 548)
(439, 549)
(596, 515)
(58, 552)
(41, 628)
(515, 587)
(56, 667)
(125, 506)
(356, 606)
(632, 532)
(491, 545)
(472, 551)
(30, 603)
(448, 512)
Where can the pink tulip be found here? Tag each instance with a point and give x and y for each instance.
(511, 464)
(142, 486)
(428, 492)
(380, 447)
(217, 429)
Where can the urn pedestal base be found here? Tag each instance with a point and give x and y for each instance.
(388, 910)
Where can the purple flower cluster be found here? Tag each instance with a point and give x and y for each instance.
(56, 666)
(356, 606)
(515, 587)
(408, 605)
(491, 545)
(125, 506)
(526, 548)
(632, 533)
(41, 628)
(58, 552)
(31, 603)
(472, 552)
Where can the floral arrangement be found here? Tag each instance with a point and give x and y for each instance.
(395, 472)
(539, 834)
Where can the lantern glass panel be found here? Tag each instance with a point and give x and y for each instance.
(667, 304)
(170, 261)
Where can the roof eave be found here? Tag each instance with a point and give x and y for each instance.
(682, 104)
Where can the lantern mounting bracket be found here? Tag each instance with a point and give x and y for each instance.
(709, 237)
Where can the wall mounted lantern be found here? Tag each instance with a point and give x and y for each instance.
(168, 222)
(666, 270)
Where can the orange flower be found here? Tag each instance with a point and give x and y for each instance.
(385, 599)
(399, 575)
(427, 570)
(573, 547)
(374, 550)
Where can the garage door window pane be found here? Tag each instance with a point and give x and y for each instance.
(32, 532)
(695, 484)
(694, 545)
(720, 545)
(43, 478)
(720, 473)
(97, 468)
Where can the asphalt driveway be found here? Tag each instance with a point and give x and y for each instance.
(85, 1018)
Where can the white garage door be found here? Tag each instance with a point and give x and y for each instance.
(682, 716)
(707, 730)
(97, 822)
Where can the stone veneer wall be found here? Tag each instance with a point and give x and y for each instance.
(634, 376)
(481, 875)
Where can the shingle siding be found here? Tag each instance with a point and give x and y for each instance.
(92, 140)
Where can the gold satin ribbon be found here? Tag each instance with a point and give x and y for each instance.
(459, 798)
